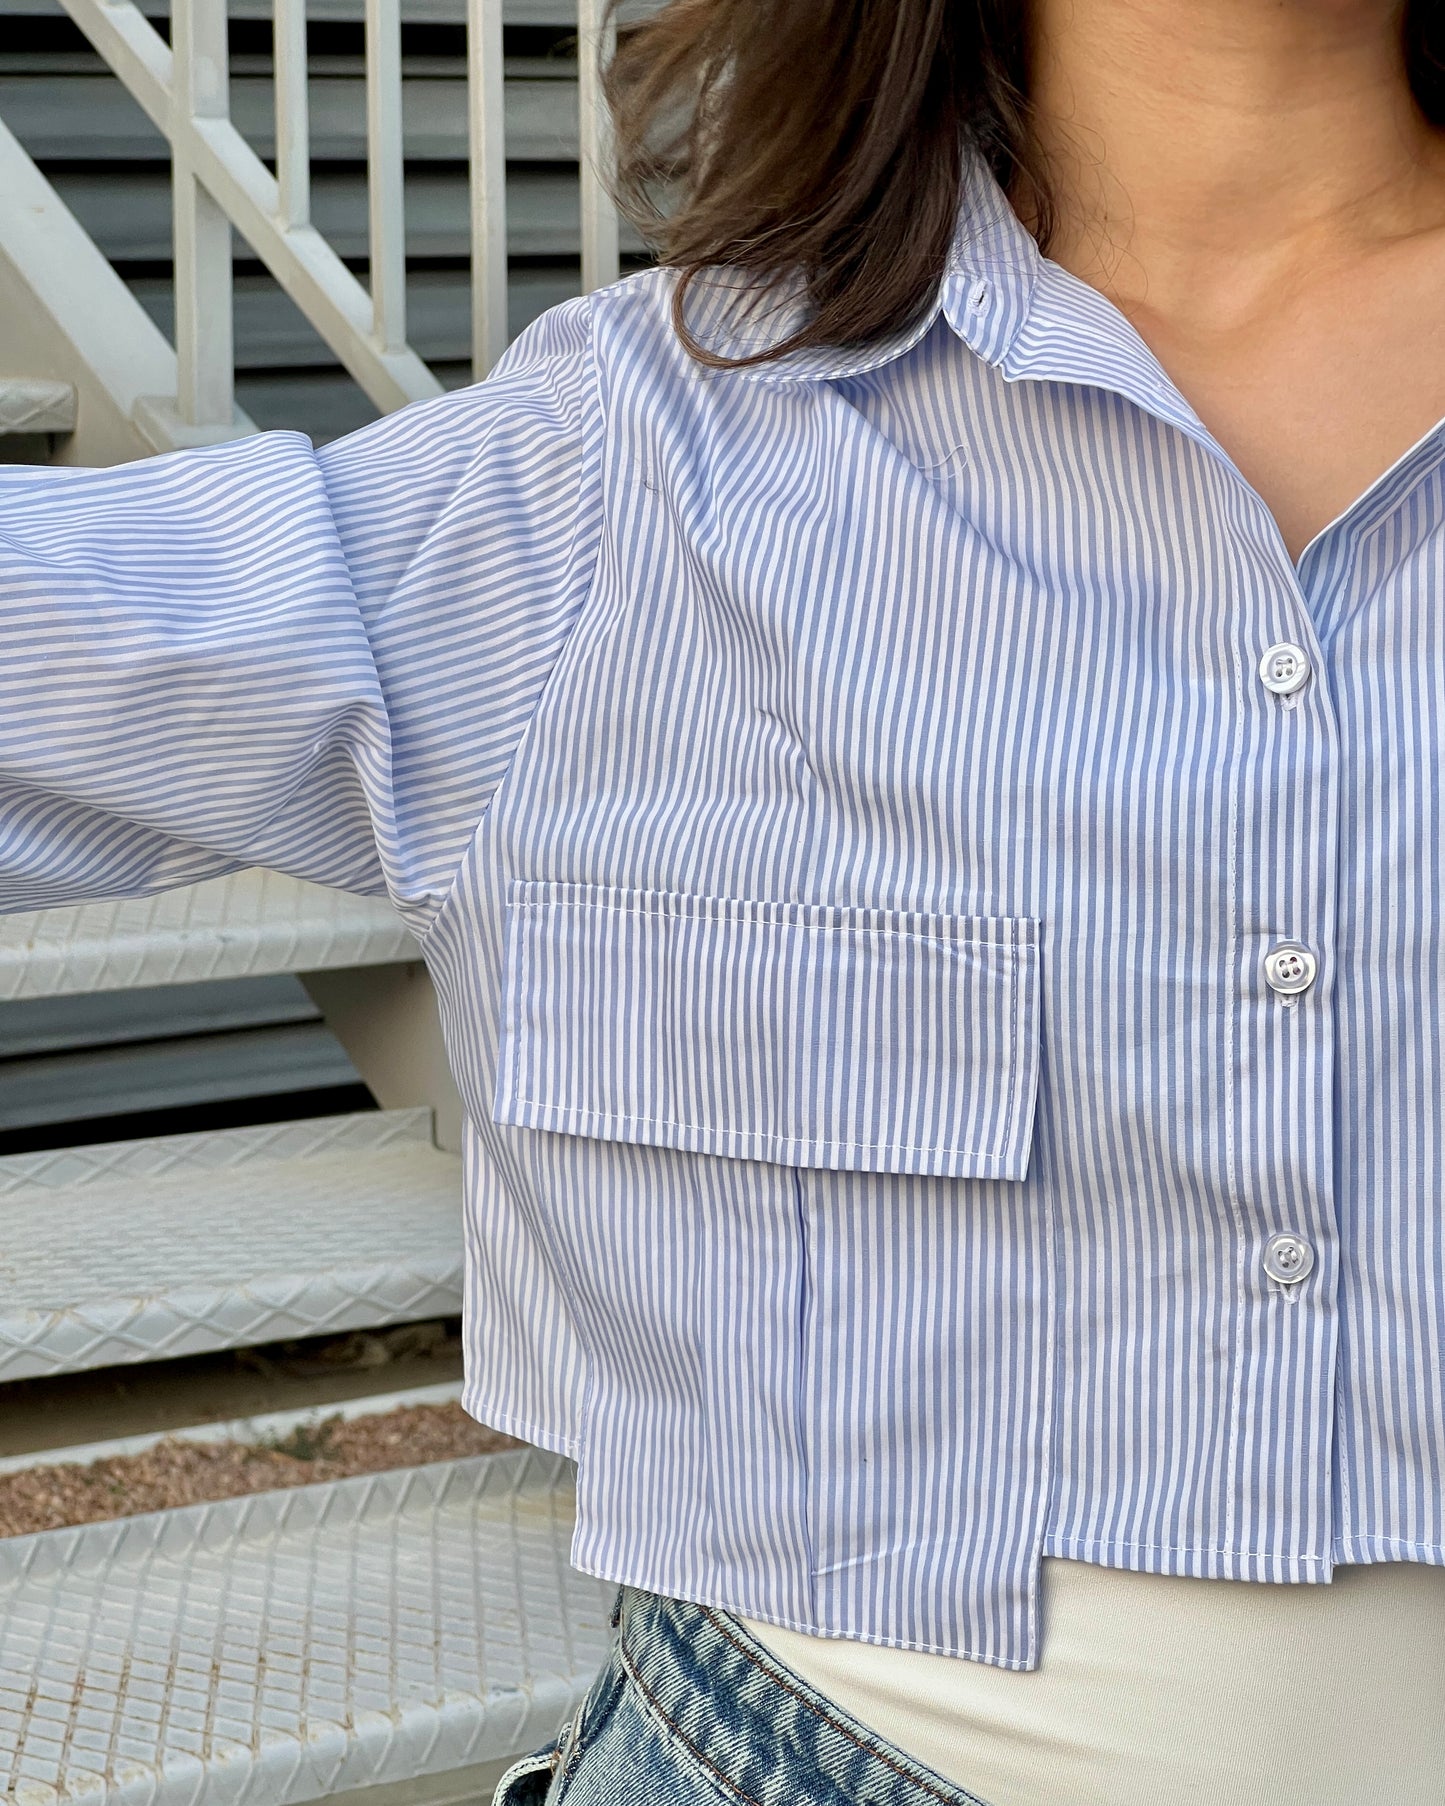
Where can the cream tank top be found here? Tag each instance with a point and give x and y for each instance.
(1153, 1690)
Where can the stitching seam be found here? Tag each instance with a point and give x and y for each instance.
(1012, 1091)
(576, 1114)
(522, 992)
(447, 891)
(1233, 1032)
(681, 1735)
(1079, 1542)
(950, 1798)
(1012, 939)
(573, 1113)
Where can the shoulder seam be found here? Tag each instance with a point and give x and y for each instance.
(449, 890)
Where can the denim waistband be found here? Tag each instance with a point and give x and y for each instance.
(759, 1731)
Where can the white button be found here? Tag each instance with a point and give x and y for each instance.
(1284, 669)
(1290, 968)
(1288, 1258)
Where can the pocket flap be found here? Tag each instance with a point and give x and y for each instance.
(812, 1035)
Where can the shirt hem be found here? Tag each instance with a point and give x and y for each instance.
(1363, 1550)
(524, 1429)
(734, 1607)
(1195, 1563)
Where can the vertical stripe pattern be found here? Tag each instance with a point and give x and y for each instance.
(857, 1039)
(848, 828)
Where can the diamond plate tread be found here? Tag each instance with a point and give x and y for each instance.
(291, 1645)
(34, 405)
(144, 1250)
(251, 922)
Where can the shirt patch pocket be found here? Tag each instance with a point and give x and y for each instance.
(810, 1035)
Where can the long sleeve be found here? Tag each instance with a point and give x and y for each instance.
(322, 662)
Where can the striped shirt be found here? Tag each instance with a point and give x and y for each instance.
(935, 915)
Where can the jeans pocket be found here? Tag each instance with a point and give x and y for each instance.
(526, 1782)
(541, 1778)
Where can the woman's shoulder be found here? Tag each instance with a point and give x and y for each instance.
(725, 312)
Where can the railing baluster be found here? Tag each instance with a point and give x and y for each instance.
(305, 265)
(205, 351)
(293, 120)
(385, 174)
(595, 44)
(488, 153)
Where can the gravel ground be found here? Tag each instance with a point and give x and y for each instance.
(187, 1473)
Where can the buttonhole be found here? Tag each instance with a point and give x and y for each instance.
(978, 297)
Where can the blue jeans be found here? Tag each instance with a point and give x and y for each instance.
(689, 1710)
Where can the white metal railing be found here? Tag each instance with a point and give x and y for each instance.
(221, 184)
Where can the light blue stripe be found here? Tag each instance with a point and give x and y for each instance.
(846, 825)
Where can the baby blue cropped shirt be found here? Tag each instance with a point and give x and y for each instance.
(935, 915)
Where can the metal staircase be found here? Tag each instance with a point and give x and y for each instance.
(398, 1638)
(407, 1631)
(488, 218)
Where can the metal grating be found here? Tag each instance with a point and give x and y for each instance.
(33, 405)
(144, 1250)
(284, 1647)
(252, 922)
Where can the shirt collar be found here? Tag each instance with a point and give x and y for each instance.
(1014, 308)
(985, 294)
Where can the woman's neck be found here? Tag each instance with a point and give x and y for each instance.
(1201, 151)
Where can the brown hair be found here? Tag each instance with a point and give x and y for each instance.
(829, 137)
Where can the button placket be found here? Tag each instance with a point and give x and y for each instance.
(1287, 851)
(1288, 1257)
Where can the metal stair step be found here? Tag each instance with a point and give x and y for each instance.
(272, 335)
(85, 116)
(33, 405)
(249, 923)
(289, 1646)
(133, 1251)
(186, 1072)
(91, 1019)
(543, 212)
